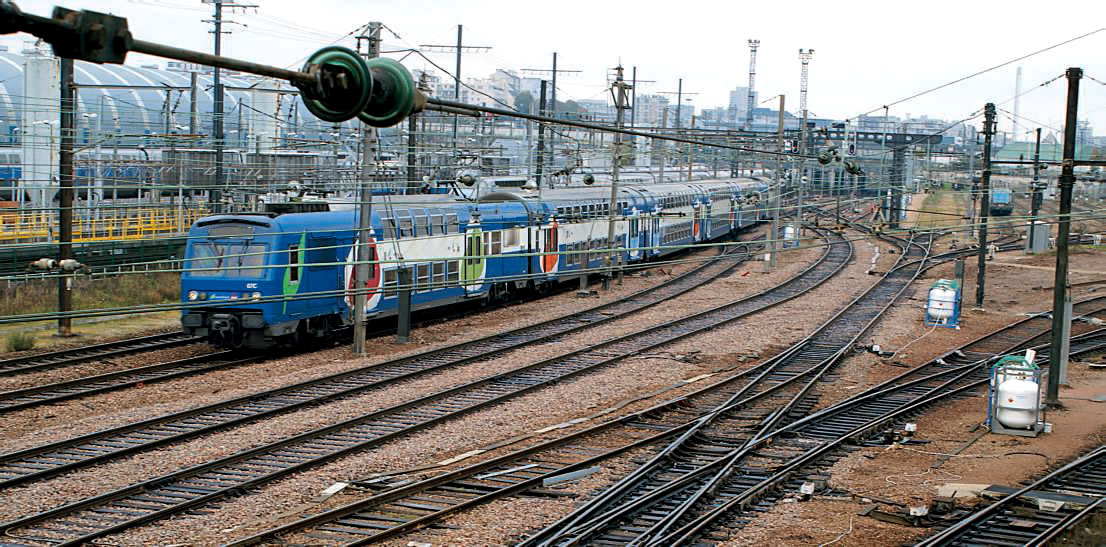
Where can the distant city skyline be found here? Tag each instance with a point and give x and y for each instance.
(863, 59)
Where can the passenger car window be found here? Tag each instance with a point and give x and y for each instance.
(293, 264)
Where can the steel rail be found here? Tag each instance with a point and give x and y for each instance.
(691, 463)
(721, 468)
(394, 511)
(53, 459)
(56, 359)
(395, 526)
(154, 499)
(113, 381)
(967, 378)
(992, 524)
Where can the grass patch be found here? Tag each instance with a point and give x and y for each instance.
(937, 202)
(41, 296)
(19, 341)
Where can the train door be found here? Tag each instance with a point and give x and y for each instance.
(696, 221)
(708, 220)
(296, 254)
(642, 243)
(550, 248)
(474, 266)
(633, 235)
(656, 235)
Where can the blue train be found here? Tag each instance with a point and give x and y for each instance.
(261, 280)
(1002, 202)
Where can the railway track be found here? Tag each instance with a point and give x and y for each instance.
(403, 508)
(57, 359)
(92, 385)
(782, 460)
(52, 459)
(1040, 513)
(113, 381)
(191, 488)
(652, 499)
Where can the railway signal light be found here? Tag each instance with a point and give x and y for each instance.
(336, 83)
(828, 155)
(853, 167)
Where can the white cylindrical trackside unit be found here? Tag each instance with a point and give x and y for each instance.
(1017, 399)
(790, 236)
(40, 131)
(263, 116)
(941, 303)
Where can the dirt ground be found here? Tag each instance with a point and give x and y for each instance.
(1016, 284)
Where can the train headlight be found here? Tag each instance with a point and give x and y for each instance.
(203, 296)
(256, 296)
(193, 295)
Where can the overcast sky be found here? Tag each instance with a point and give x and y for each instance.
(866, 53)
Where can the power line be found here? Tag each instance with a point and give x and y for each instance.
(981, 72)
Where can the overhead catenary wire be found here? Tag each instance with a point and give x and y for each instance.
(981, 72)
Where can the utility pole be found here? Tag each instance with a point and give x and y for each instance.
(541, 137)
(1035, 187)
(551, 111)
(679, 99)
(65, 195)
(1017, 101)
(1061, 314)
(772, 243)
(365, 213)
(457, 88)
(679, 93)
(753, 45)
(973, 187)
(619, 90)
(661, 145)
(690, 150)
(217, 116)
(412, 128)
(633, 94)
(553, 114)
(459, 48)
(553, 91)
(193, 116)
(984, 200)
(804, 57)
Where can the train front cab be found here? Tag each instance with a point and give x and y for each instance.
(1001, 202)
(253, 282)
(225, 277)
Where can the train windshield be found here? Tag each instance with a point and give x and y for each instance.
(227, 259)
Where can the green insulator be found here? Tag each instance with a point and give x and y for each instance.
(333, 103)
(393, 94)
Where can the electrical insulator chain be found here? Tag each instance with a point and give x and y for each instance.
(336, 83)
